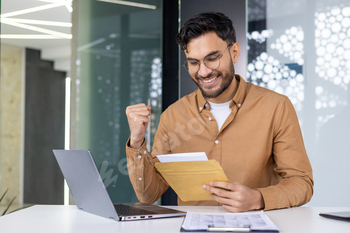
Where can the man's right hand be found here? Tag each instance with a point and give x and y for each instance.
(138, 118)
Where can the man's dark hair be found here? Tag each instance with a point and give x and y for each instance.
(203, 23)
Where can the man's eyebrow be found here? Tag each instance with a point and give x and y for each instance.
(209, 54)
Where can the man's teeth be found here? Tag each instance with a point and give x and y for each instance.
(210, 80)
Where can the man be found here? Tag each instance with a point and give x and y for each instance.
(251, 131)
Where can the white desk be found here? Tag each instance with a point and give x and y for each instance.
(62, 219)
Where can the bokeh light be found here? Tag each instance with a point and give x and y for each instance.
(266, 71)
(333, 46)
(260, 36)
(291, 44)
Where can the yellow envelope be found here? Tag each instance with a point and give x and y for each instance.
(187, 178)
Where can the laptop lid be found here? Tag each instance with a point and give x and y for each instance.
(344, 216)
(85, 183)
(89, 192)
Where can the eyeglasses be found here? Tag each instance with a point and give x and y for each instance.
(210, 61)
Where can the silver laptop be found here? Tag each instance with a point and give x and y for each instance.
(90, 194)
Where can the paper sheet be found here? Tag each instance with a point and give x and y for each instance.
(201, 221)
(183, 157)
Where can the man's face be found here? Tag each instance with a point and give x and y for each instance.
(212, 83)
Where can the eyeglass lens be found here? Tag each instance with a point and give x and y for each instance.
(212, 62)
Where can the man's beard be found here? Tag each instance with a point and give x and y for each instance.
(226, 82)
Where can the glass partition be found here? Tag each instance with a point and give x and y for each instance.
(302, 49)
(118, 62)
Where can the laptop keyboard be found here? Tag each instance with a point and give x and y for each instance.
(126, 210)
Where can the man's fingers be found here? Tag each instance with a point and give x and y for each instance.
(234, 196)
(229, 204)
(137, 118)
(226, 185)
(138, 107)
(222, 200)
(219, 191)
(231, 209)
(140, 112)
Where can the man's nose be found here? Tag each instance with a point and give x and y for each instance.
(204, 71)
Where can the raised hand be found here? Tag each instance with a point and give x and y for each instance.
(138, 119)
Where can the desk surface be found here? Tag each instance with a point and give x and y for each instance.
(61, 219)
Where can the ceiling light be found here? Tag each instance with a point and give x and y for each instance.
(39, 22)
(30, 10)
(57, 1)
(37, 29)
(127, 3)
(31, 36)
(69, 8)
(67, 3)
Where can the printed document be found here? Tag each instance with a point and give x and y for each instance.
(183, 157)
(202, 221)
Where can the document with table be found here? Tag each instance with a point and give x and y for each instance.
(186, 173)
(250, 221)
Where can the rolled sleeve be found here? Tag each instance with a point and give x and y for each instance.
(295, 185)
(146, 181)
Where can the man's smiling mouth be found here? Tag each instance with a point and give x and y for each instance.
(210, 80)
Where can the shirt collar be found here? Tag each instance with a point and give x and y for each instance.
(237, 99)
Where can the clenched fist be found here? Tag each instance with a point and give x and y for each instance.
(138, 119)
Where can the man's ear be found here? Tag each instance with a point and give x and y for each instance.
(235, 51)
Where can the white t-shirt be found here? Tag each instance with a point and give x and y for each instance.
(220, 112)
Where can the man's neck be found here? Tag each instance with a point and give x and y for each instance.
(227, 95)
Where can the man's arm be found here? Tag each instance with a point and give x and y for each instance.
(147, 182)
(295, 186)
(235, 197)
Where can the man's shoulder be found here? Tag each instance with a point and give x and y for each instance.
(184, 103)
(261, 93)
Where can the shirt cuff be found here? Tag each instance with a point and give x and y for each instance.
(271, 198)
(134, 154)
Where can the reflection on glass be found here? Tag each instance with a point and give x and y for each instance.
(118, 64)
(307, 57)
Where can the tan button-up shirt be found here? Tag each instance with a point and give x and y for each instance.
(260, 145)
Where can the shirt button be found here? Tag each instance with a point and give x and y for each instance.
(145, 152)
(139, 156)
(200, 108)
(239, 105)
(140, 178)
(216, 141)
(209, 118)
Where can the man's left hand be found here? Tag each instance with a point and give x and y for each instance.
(235, 197)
